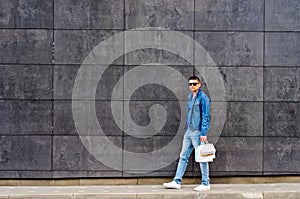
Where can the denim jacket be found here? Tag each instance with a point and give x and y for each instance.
(200, 116)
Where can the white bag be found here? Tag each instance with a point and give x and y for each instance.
(203, 158)
(208, 149)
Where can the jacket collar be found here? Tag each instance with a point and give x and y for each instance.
(190, 96)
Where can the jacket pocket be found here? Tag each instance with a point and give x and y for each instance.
(197, 107)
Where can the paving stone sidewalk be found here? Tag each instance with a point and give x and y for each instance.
(232, 191)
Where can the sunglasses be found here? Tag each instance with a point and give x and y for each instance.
(194, 84)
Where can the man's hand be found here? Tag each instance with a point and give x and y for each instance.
(203, 138)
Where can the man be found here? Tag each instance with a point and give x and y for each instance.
(196, 127)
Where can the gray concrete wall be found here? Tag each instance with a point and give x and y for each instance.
(255, 44)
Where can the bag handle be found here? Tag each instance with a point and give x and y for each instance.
(205, 142)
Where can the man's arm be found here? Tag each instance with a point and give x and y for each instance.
(205, 122)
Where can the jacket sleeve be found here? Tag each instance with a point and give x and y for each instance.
(205, 122)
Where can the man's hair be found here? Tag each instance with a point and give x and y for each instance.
(194, 78)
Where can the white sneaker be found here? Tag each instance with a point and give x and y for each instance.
(172, 185)
(202, 188)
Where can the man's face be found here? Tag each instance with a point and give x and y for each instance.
(194, 85)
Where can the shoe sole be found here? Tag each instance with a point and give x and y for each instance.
(171, 187)
(201, 190)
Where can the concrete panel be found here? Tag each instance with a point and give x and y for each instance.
(141, 114)
(157, 91)
(65, 75)
(26, 46)
(64, 122)
(282, 119)
(91, 14)
(241, 83)
(147, 146)
(26, 14)
(26, 82)
(244, 119)
(25, 153)
(281, 154)
(282, 49)
(25, 117)
(282, 15)
(72, 46)
(229, 15)
(174, 14)
(151, 55)
(232, 48)
(281, 84)
(69, 154)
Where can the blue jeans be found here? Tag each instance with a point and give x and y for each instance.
(190, 141)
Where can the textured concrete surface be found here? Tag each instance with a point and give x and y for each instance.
(72, 46)
(26, 14)
(255, 45)
(102, 14)
(257, 191)
(282, 16)
(282, 49)
(30, 46)
(229, 15)
(175, 14)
